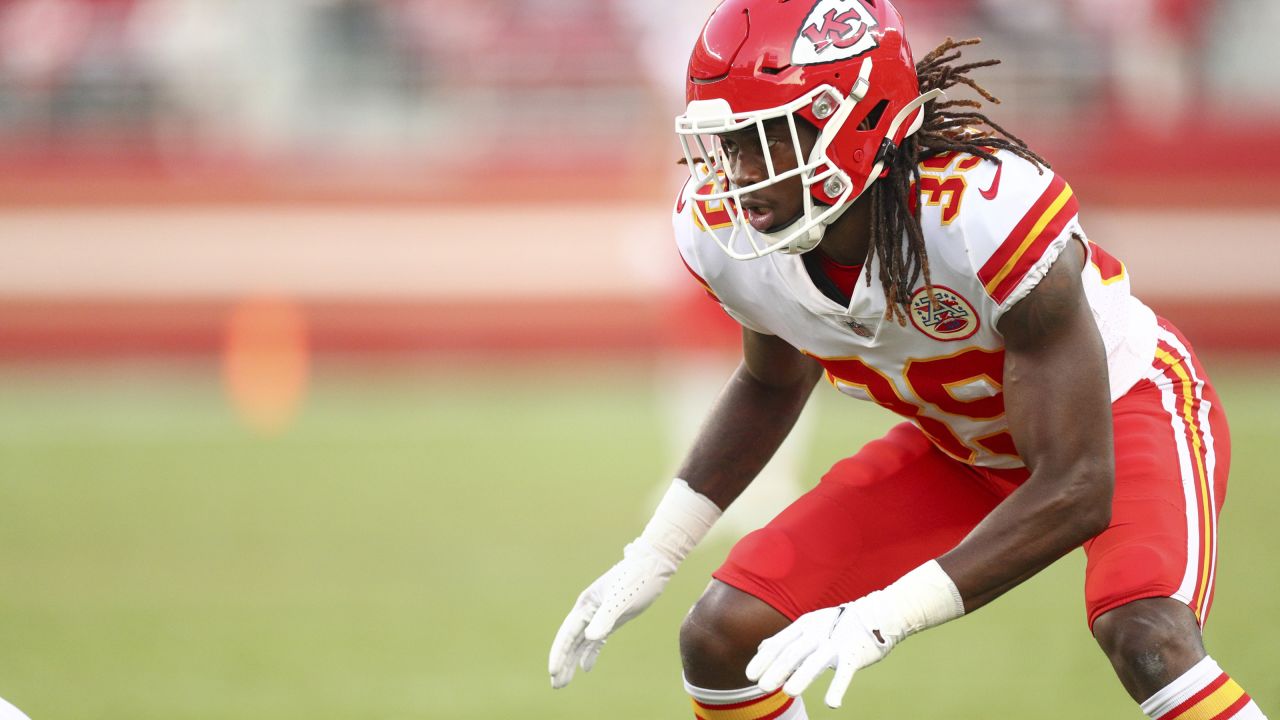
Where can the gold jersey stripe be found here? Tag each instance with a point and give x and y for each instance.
(1041, 224)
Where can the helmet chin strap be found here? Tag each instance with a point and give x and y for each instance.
(806, 241)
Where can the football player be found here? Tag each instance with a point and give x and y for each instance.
(865, 227)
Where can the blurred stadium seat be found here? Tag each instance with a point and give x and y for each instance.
(439, 175)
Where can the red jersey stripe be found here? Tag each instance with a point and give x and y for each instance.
(701, 282)
(1020, 231)
(1050, 226)
(680, 196)
(1025, 244)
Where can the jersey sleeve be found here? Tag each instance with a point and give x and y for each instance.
(1026, 218)
(692, 244)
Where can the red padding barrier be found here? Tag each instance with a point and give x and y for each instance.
(93, 329)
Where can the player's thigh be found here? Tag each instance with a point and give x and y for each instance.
(1172, 448)
(874, 516)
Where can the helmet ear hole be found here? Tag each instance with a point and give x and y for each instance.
(873, 118)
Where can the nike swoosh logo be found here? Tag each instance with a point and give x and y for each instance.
(991, 192)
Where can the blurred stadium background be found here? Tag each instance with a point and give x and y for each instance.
(342, 342)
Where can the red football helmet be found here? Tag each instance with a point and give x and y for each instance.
(842, 65)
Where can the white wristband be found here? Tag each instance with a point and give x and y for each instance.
(680, 521)
(921, 599)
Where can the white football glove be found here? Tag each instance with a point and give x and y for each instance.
(841, 637)
(854, 635)
(606, 605)
(681, 520)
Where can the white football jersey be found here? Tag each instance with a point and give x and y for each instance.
(991, 232)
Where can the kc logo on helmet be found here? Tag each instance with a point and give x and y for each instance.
(834, 30)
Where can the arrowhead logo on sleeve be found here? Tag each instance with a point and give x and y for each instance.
(948, 317)
(834, 30)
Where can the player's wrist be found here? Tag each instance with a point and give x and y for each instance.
(923, 598)
(682, 519)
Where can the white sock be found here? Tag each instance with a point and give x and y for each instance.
(1202, 693)
(749, 703)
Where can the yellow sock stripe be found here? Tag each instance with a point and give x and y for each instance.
(1188, 415)
(1032, 236)
(753, 710)
(1212, 706)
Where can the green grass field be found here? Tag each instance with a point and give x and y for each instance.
(409, 547)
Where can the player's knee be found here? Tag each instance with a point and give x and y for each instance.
(720, 635)
(1149, 642)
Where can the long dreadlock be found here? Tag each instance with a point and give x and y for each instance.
(945, 129)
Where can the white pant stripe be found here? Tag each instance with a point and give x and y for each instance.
(1173, 401)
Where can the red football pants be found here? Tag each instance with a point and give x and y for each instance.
(900, 501)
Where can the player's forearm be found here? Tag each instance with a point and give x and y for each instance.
(1040, 522)
(1057, 402)
(743, 431)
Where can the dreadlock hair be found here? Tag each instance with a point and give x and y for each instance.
(946, 128)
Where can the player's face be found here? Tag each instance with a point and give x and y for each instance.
(774, 206)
